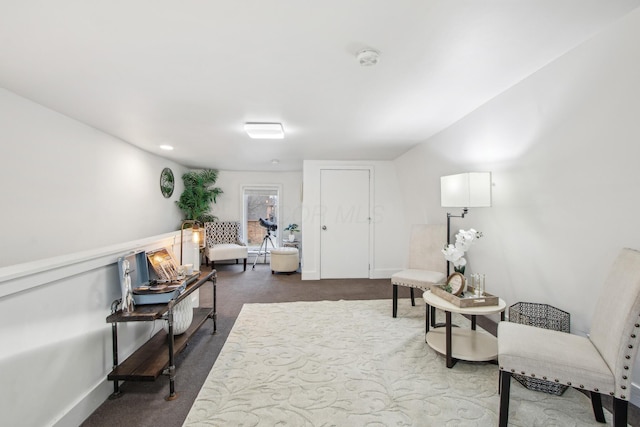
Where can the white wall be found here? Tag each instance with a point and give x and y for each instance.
(73, 200)
(229, 205)
(389, 229)
(68, 187)
(56, 350)
(563, 146)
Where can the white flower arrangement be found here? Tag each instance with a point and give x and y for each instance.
(455, 253)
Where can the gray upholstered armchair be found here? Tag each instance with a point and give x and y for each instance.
(224, 242)
(426, 263)
(600, 364)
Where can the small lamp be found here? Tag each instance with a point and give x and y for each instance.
(197, 233)
(464, 190)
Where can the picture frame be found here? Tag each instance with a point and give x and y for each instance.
(456, 282)
(167, 182)
(164, 264)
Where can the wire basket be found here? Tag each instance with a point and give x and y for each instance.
(542, 316)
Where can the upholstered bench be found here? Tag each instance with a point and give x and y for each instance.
(284, 260)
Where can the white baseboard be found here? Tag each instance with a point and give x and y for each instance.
(383, 273)
(310, 275)
(86, 406)
(375, 274)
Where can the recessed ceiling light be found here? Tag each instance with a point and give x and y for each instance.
(264, 130)
(166, 147)
(275, 161)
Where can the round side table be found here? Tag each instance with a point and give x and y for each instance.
(457, 343)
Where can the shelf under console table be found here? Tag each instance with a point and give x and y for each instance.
(157, 356)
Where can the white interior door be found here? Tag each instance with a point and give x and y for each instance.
(345, 223)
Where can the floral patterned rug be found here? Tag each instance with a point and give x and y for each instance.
(349, 363)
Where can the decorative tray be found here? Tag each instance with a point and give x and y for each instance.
(467, 299)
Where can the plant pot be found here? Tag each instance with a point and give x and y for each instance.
(182, 317)
(292, 237)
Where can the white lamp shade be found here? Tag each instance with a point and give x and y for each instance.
(466, 190)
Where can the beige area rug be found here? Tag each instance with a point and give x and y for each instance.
(349, 363)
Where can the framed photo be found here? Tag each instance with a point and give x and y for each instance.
(456, 282)
(164, 264)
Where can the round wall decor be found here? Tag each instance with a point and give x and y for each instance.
(166, 182)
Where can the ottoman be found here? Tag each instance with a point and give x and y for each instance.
(284, 260)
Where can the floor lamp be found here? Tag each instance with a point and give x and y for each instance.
(464, 190)
(197, 237)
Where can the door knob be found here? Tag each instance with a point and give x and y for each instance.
(324, 227)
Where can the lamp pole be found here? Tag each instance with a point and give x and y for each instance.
(449, 216)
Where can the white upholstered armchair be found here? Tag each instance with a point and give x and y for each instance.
(600, 364)
(426, 263)
(224, 242)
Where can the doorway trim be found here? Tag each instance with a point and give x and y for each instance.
(243, 208)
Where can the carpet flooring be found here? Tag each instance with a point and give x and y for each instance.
(348, 363)
(143, 404)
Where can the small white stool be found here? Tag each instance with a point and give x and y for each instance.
(284, 260)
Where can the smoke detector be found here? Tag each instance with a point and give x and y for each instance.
(368, 57)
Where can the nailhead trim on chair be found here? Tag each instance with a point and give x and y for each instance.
(596, 389)
(412, 285)
(625, 378)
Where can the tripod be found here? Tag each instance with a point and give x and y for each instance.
(266, 238)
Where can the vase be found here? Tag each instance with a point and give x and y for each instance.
(182, 317)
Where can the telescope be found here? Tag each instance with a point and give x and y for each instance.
(268, 224)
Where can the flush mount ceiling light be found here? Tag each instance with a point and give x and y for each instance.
(166, 147)
(368, 57)
(264, 130)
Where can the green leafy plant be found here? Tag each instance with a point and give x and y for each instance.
(292, 228)
(199, 192)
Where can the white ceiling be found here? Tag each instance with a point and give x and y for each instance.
(189, 73)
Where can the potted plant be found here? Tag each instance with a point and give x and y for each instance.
(292, 228)
(199, 192)
(455, 253)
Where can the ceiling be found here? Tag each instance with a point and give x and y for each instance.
(190, 73)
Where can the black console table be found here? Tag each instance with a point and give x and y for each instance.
(157, 355)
